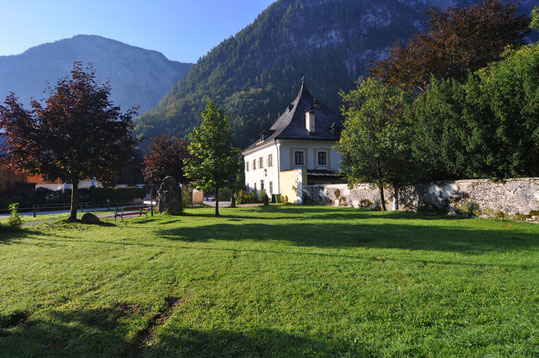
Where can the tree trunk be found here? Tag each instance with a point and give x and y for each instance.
(216, 201)
(74, 200)
(382, 201)
(396, 202)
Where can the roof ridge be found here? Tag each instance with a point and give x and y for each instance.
(290, 123)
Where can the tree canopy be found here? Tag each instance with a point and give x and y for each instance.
(166, 156)
(458, 40)
(486, 127)
(78, 133)
(214, 156)
(375, 144)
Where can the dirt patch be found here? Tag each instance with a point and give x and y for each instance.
(18, 318)
(139, 343)
(128, 308)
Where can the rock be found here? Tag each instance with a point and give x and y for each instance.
(169, 197)
(90, 219)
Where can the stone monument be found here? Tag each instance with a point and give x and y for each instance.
(169, 197)
(89, 218)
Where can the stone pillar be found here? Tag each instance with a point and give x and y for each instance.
(169, 197)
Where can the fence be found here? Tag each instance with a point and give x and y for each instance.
(82, 207)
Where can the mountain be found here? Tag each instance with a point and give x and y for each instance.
(254, 74)
(137, 76)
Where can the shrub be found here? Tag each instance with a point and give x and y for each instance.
(26, 195)
(244, 197)
(14, 220)
(186, 196)
(225, 194)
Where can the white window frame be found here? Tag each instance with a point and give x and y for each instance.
(318, 158)
(303, 157)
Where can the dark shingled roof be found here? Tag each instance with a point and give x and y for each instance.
(291, 124)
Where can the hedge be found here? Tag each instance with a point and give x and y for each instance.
(27, 196)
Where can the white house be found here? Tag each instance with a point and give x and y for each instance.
(302, 140)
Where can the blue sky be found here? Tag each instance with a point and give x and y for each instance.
(183, 30)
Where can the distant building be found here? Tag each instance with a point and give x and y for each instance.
(8, 178)
(130, 175)
(131, 171)
(298, 149)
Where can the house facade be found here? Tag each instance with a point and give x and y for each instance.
(303, 139)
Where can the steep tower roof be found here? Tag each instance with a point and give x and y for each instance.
(291, 124)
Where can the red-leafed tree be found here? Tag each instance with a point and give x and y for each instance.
(165, 157)
(459, 40)
(77, 134)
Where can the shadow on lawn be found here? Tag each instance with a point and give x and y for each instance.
(8, 235)
(357, 234)
(72, 333)
(302, 212)
(253, 343)
(104, 332)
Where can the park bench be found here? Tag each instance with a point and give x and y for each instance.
(131, 210)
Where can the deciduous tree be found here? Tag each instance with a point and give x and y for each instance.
(166, 156)
(487, 127)
(214, 157)
(77, 134)
(458, 40)
(375, 143)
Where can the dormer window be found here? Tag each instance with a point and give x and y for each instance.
(265, 135)
(336, 129)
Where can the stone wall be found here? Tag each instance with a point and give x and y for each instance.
(480, 197)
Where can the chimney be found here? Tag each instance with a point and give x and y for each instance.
(309, 120)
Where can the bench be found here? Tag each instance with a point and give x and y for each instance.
(131, 210)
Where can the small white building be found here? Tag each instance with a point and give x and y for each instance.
(303, 140)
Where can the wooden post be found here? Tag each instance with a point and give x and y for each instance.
(34, 210)
(151, 200)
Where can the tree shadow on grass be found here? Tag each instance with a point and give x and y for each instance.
(75, 333)
(104, 332)
(9, 235)
(334, 213)
(185, 342)
(340, 235)
(297, 212)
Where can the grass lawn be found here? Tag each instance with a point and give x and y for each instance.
(283, 281)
